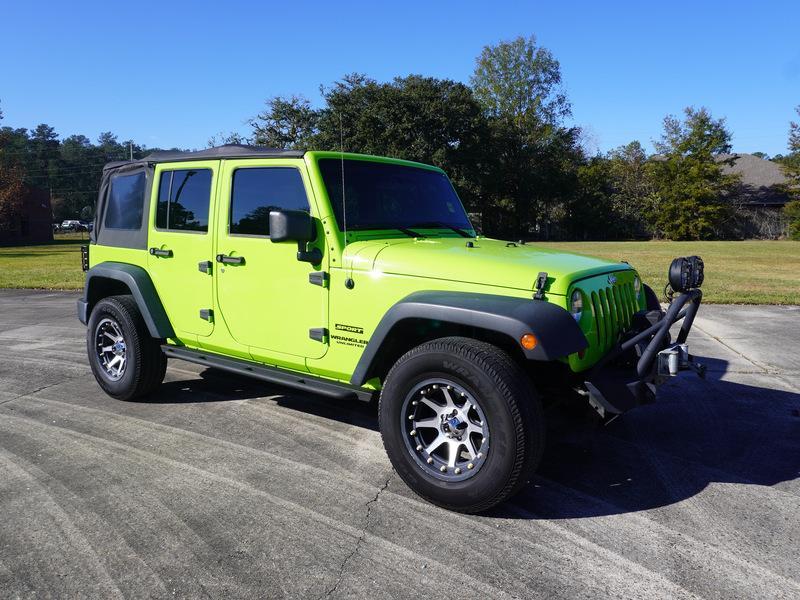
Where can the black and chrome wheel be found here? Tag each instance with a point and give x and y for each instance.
(461, 423)
(110, 348)
(446, 430)
(126, 361)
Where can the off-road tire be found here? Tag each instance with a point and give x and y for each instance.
(511, 407)
(146, 364)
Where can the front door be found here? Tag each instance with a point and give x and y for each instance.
(263, 291)
(179, 242)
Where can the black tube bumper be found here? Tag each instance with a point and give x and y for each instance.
(630, 373)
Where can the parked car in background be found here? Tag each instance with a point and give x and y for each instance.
(70, 225)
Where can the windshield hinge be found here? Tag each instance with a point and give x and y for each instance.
(541, 281)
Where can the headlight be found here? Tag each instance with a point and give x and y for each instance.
(686, 273)
(576, 305)
(637, 286)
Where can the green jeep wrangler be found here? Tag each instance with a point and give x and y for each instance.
(352, 276)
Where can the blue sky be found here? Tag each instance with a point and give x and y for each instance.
(175, 73)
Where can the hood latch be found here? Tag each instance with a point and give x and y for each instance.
(541, 281)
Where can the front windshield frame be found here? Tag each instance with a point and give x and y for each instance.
(449, 214)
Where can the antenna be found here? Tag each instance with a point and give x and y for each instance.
(341, 154)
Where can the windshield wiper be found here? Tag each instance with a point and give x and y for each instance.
(408, 232)
(404, 230)
(441, 225)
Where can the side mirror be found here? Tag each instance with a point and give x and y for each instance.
(291, 226)
(295, 226)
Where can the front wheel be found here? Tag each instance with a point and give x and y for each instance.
(125, 360)
(461, 423)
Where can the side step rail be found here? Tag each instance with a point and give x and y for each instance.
(308, 383)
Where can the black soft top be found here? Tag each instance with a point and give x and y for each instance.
(227, 151)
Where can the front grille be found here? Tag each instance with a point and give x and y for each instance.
(613, 309)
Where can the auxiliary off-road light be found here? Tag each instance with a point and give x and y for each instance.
(528, 341)
(576, 305)
(686, 273)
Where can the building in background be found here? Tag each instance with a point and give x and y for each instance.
(763, 184)
(33, 224)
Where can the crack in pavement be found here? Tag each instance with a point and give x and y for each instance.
(37, 390)
(362, 536)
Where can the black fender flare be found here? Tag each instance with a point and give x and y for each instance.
(555, 329)
(142, 289)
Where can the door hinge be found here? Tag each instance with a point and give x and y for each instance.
(205, 266)
(207, 314)
(319, 278)
(318, 334)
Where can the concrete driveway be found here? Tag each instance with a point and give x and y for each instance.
(222, 487)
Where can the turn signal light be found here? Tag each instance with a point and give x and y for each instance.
(528, 341)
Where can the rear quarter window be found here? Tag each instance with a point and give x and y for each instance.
(125, 205)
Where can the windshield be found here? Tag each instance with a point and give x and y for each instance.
(388, 196)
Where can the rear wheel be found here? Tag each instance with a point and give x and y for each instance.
(461, 423)
(125, 360)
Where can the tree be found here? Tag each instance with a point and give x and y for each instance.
(615, 192)
(11, 192)
(791, 162)
(692, 191)
(633, 194)
(520, 81)
(286, 123)
(222, 139)
(791, 166)
(436, 121)
(11, 177)
(532, 158)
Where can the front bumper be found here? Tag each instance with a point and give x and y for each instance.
(629, 374)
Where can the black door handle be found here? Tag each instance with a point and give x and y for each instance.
(160, 252)
(230, 260)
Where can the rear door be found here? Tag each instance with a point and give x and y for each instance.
(267, 300)
(180, 245)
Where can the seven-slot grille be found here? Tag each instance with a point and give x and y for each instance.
(613, 308)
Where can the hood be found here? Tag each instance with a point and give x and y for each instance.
(488, 262)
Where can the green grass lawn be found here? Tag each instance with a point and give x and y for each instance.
(54, 266)
(752, 272)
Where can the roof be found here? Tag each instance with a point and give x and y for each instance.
(227, 151)
(762, 181)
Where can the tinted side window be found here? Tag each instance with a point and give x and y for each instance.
(125, 202)
(183, 198)
(258, 191)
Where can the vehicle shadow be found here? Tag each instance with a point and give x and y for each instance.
(214, 385)
(699, 432)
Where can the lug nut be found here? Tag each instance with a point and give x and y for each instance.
(429, 461)
(443, 469)
(435, 386)
(471, 466)
(414, 403)
(457, 471)
(412, 433)
(419, 447)
(449, 387)
(480, 455)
